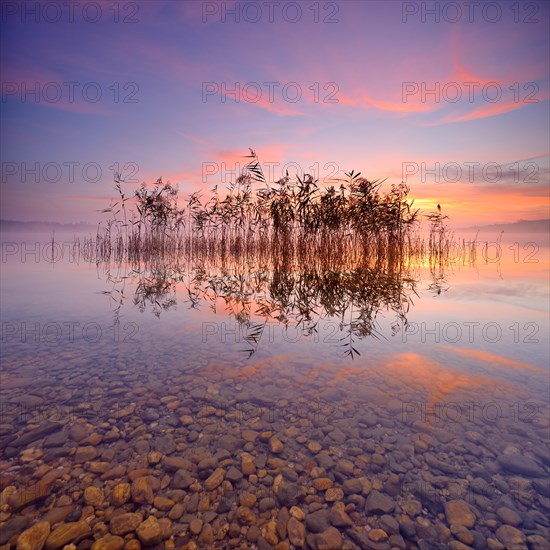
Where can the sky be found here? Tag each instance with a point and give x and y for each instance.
(450, 97)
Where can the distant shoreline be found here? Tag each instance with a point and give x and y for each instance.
(41, 227)
(521, 226)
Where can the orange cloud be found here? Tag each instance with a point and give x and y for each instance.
(278, 107)
(433, 377)
(462, 74)
(402, 107)
(488, 111)
(530, 73)
(494, 359)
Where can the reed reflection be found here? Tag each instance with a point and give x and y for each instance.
(290, 253)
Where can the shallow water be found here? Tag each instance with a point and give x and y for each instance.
(424, 432)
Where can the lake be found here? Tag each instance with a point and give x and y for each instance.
(250, 401)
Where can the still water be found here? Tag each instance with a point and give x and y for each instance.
(218, 402)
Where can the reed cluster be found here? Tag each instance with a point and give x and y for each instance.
(288, 216)
(291, 252)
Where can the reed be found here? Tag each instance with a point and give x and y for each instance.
(286, 216)
(290, 252)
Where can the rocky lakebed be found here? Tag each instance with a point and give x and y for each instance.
(268, 454)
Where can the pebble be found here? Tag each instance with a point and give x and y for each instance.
(206, 537)
(123, 524)
(510, 536)
(267, 504)
(345, 467)
(162, 503)
(215, 479)
(331, 539)
(36, 433)
(318, 521)
(195, 527)
(108, 542)
(233, 475)
(57, 514)
(149, 532)
(34, 537)
(142, 490)
(275, 445)
(352, 486)
(520, 464)
(378, 535)
(248, 465)
(245, 516)
(93, 496)
(378, 503)
(542, 486)
(250, 436)
(175, 463)
(121, 494)
(458, 512)
(182, 479)
(537, 542)
(509, 516)
(333, 494)
(323, 483)
(208, 463)
(177, 511)
(269, 532)
(338, 516)
(29, 495)
(68, 533)
(389, 524)
(314, 447)
(84, 454)
(296, 532)
(289, 494)
(248, 499)
(297, 513)
(252, 534)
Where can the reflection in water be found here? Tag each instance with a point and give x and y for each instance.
(293, 285)
(290, 253)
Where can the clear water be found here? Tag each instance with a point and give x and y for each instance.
(465, 382)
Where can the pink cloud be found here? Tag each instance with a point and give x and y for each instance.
(402, 107)
(486, 111)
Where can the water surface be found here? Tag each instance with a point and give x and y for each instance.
(404, 394)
